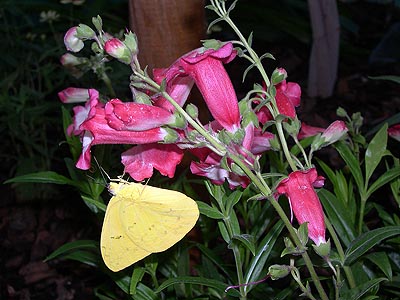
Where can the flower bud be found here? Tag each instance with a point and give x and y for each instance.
(192, 110)
(278, 76)
(118, 50)
(278, 271)
(71, 41)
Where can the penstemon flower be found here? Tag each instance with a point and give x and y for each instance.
(299, 188)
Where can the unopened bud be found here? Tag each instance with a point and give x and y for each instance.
(192, 110)
(278, 76)
(278, 271)
(118, 50)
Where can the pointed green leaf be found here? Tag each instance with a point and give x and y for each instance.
(42, 177)
(247, 240)
(368, 240)
(74, 246)
(386, 77)
(143, 292)
(85, 257)
(216, 284)
(375, 151)
(137, 275)
(338, 215)
(361, 290)
(257, 263)
(381, 260)
(209, 211)
(386, 177)
(94, 205)
(351, 162)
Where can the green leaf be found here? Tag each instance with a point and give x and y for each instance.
(42, 177)
(137, 275)
(215, 259)
(381, 260)
(338, 215)
(247, 240)
(94, 204)
(257, 264)
(375, 151)
(209, 211)
(386, 177)
(145, 293)
(368, 240)
(216, 284)
(224, 232)
(74, 246)
(232, 200)
(351, 162)
(85, 257)
(386, 77)
(361, 290)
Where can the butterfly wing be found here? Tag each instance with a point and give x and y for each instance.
(117, 248)
(161, 218)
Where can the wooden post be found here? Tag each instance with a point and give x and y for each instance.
(166, 29)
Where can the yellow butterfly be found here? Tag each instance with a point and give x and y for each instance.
(141, 220)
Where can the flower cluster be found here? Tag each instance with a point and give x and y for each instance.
(160, 130)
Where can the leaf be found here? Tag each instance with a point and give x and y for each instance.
(88, 258)
(94, 204)
(216, 284)
(137, 275)
(338, 215)
(42, 177)
(386, 77)
(386, 177)
(209, 211)
(247, 240)
(257, 264)
(73, 246)
(361, 290)
(352, 163)
(381, 260)
(145, 293)
(375, 151)
(215, 259)
(368, 240)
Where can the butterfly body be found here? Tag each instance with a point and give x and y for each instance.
(141, 220)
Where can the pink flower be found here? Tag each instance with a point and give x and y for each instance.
(394, 132)
(71, 42)
(140, 160)
(307, 131)
(75, 95)
(205, 67)
(304, 202)
(210, 167)
(134, 116)
(287, 99)
(91, 125)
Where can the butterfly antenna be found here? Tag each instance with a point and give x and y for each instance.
(103, 172)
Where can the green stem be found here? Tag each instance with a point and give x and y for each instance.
(361, 217)
(108, 83)
(347, 269)
(284, 145)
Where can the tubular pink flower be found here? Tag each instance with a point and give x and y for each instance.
(304, 202)
(178, 88)
(71, 42)
(287, 98)
(74, 95)
(136, 116)
(211, 168)
(307, 131)
(205, 67)
(139, 161)
(394, 132)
